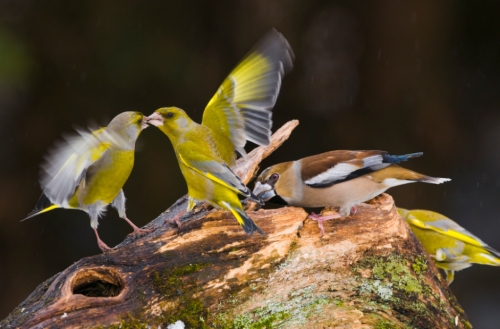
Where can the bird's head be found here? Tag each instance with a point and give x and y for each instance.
(268, 183)
(128, 124)
(170, 120)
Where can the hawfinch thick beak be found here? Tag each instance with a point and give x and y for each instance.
(144, 123)
(264, 191)
(155, 119)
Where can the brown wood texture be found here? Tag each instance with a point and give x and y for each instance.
(368, 271)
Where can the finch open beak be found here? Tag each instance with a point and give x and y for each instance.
(155, 119)
(264, 191)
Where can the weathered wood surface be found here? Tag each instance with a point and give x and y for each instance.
(368, 271)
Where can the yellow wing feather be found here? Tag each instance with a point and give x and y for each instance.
(456, 232)
(240, 109)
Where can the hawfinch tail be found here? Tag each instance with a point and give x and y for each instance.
(336, 179)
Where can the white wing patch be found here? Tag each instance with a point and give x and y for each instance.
(67, 162)
(343, 169)
(337, 172)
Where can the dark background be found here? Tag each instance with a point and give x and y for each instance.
(399, 76)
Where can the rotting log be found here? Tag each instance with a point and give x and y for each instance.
(368, 271)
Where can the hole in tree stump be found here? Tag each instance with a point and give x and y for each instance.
(97, 282)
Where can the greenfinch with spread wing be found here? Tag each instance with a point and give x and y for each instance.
(452, 247)
(88, 171)
(239, 111)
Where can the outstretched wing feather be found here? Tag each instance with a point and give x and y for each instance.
(240, 109)
(66, 163)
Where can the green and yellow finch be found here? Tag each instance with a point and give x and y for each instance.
(88, 171)
(239, 111)
(452, 247)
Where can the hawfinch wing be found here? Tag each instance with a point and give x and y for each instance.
(334, 167)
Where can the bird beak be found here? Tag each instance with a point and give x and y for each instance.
(155, 119)
(144, 123)
(264, 191)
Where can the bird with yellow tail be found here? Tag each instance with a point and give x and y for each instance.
(239, 111)
(88, 171)
(452, 247)
(336, 179)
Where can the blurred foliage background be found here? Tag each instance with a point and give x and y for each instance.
(400, 76)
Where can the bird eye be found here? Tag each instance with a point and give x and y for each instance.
(169, 115)
(274, 177)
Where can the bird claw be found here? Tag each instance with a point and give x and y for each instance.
(104, 247)
(176, 219)
(139, 231)
(320, 219)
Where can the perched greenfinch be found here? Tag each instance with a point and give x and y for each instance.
(336, 179)
(452, 247)
(239, 111)
(88, 171)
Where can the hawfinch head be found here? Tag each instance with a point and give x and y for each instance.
(268, 183)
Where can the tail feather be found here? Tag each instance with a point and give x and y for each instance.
(395, 175)
(399, 158)
(494, 252)
(434, 180)
(43, 205)
(244, 220)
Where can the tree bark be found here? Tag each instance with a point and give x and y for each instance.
(368, 271)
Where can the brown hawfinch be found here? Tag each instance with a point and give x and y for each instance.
(336, 179)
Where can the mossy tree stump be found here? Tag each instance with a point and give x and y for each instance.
(368, 271)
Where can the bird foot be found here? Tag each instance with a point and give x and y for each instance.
(354, 210)
(320, 219)
(176, 219)
(203, 206)
(139, 231)
(104, 247)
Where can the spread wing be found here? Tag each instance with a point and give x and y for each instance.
(241, 108)
(67, 162)
(335, 167)
(195, 157)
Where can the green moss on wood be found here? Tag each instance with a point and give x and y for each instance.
(301, 305)
(179, 284)
(384, 324)
(419, 266)
(400, 282)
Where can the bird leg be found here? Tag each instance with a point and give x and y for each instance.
(104, 247)
(136, 229)
(354, 210)
(320, 219)
(176, 219)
